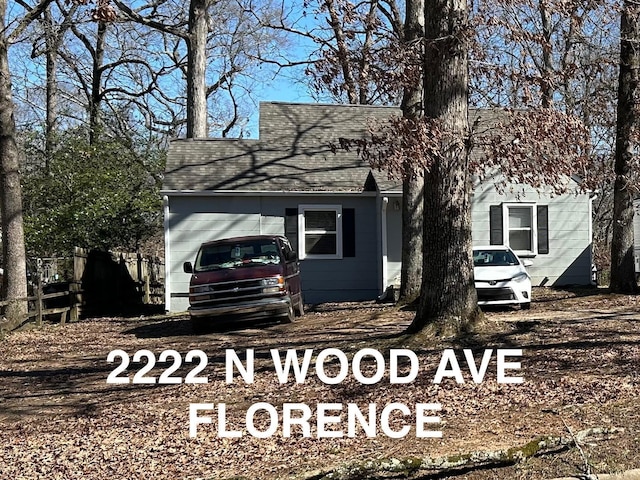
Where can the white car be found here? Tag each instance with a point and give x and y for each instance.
(501, 277)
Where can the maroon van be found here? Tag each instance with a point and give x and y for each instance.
(245, 278)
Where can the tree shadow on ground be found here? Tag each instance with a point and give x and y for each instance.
(179, 327)
(553, 294)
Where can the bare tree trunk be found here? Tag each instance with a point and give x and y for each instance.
(53, 44)
(547, 59)
(622, 261)
(412, 187)
(13, 248)
(196, 70)
(448, 300)
(96, 83)
(54, 36)
(343, 53)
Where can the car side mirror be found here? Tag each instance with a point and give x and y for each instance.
(527, 263)
(187, 267)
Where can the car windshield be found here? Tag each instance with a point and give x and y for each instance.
(237, 254)
(493, 258)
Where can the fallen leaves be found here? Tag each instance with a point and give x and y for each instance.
(60, 419)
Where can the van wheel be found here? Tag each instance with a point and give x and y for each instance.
(291, 315)
(300, 306)
(525, 306)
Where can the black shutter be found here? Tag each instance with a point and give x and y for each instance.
(291, 227)
(543, 228)
(495, 225)
(348, 232)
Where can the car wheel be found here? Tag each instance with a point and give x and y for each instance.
(525, 306)
(300, 306)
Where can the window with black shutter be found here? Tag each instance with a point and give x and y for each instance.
(523, 227)
(322, 231)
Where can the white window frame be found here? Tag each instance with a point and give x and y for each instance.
(534, 228)
(302, 232)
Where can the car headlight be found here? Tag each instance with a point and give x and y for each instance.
(521, 277)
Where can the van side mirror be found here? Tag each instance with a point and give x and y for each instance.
(187, 267)
(291, 256)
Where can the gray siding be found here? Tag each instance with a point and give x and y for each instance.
(569, 259)
(196, 219)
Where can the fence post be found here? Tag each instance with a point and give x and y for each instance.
(144, 269)
(74, 302)
(79, 263)
(39, 305)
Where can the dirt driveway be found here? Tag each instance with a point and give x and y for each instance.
(60, 418)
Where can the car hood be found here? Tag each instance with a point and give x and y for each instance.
(497, 272)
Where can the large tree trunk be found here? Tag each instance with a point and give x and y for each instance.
(196, 70)
(412, 214)
(412, 187)
(448, 300)
(13, 249)
(622, 262)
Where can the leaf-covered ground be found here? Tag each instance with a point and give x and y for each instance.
(60, 419)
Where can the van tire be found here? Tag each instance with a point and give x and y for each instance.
(291, 315)
(300, 306)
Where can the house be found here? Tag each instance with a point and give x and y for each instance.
(342, 217)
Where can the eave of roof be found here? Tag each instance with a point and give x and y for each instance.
(264, 193)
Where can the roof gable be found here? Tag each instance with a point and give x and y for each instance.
(293, 154)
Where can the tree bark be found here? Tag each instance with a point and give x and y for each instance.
(448, 300)
(412, 187)
(13, 248)
(196, 69)
(622, 258)
(546, 73)
(53, 43)
(96, 83)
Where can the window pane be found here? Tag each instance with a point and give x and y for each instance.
(520, 217)
(320, 220)
(321, 244)
(520, 240)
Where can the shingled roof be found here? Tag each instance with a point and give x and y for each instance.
(293, 154)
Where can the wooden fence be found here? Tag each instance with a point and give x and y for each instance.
(38, 310)
(93, 283)
(117, 282)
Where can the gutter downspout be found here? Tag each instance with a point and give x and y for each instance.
(385, 241)
(167, 254)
